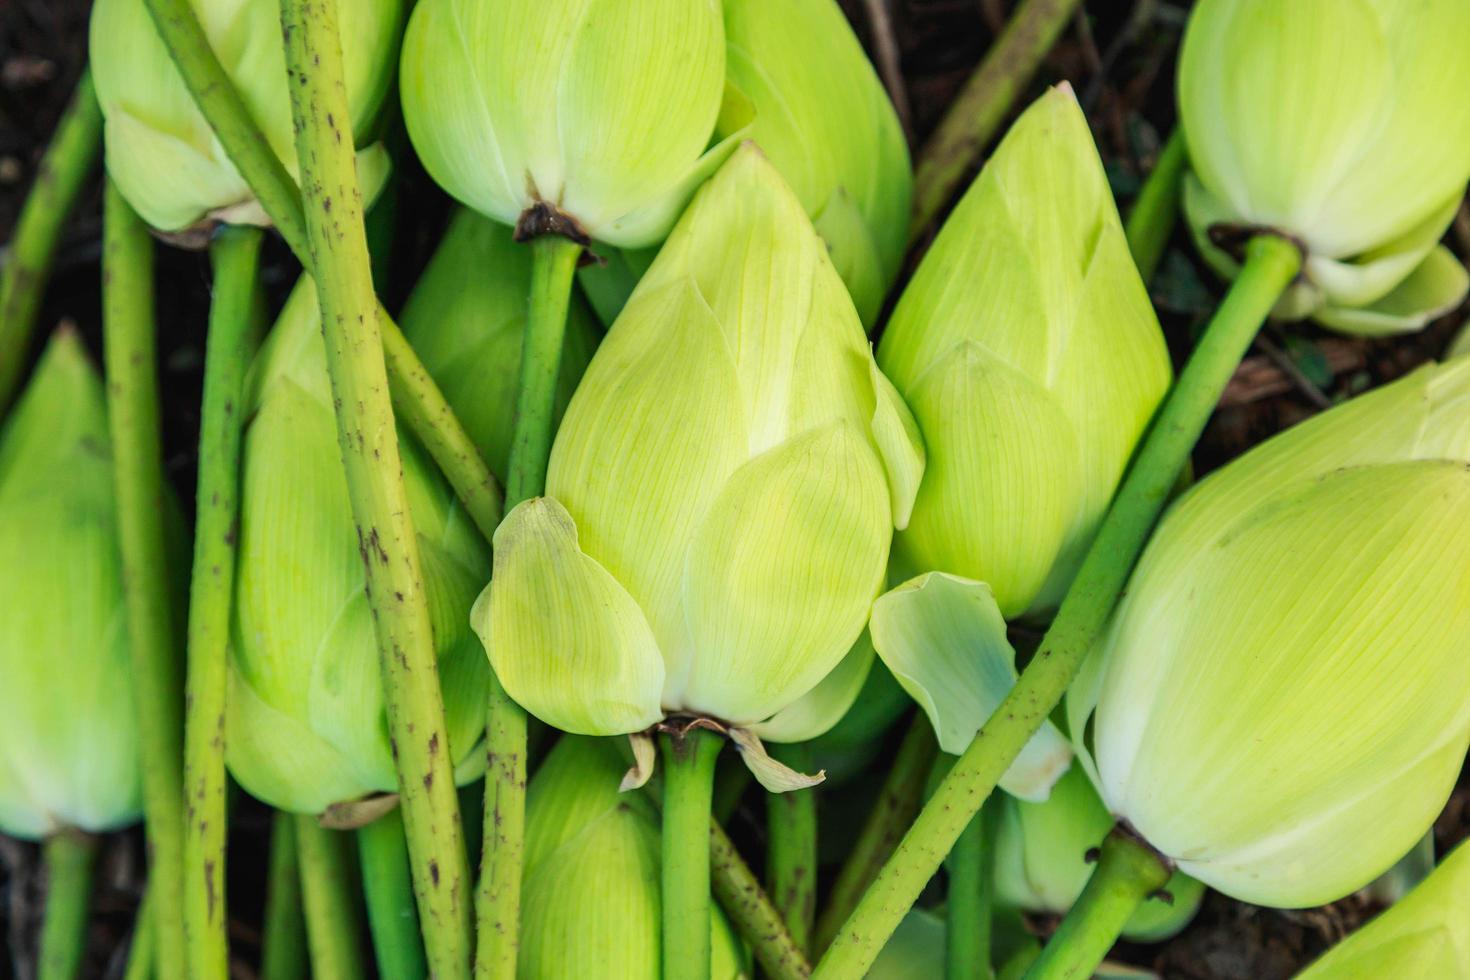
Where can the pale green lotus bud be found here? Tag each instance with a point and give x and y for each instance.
(596, 112)
(161, 152)
(1339, 123)
(1280, 703)
(721, 494)
(591, 892)
(465, 318)
(1041, 859)
(68, 733)
(1426, 934)
(306, 725)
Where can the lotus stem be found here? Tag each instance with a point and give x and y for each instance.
(1156, 209)
(59, 179)
(689, 782)
(383, 852)
(374, 470)
(982, 105)
(971, 867)
(140, 951)
(791, 855)
(284, 942)
(898, 801)
(328, 902)
(235, 254)
(1128, 871)
(1271, 263)
(68, 856)
(132, 408)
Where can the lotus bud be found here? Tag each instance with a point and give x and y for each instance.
(465, 318)
(1338, 123)
(1279, 701)
(721, 493)
(69, 754)
(591, 892)
(1041, 860)
(586, 117)
(1424, 935)
(1028, 350)
(305, 724)
(161, 152)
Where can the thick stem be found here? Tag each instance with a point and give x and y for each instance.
(235, 254)
(791, 855)
(689, 781)
(284, 936)
(59, 179)
(971, 867)
(68, 857)
(328, 902)
(1156, 209)
(1128, 871)
(982, 105)
(383, 851)
(420, 403)
(1271, 264)
(129, 348)
(370, 455)
(898, 801)
(140, 951)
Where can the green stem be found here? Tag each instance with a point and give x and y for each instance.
(370, 455)
(383, 852)
(421, 405)
(1128, 871)
(235, 254)
(751, 911)
(689, 782)
(983, 104)
(327, 899)
(132, 407)
(898, 801)
(1270, 266)
(791, 855)
(141, 950)
(59, 179)
(971, 867)
(284, 938)
(1156, 209)
(68, 856)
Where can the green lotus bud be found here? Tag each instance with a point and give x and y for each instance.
(1339, 123)
(465, 318)
(591, 891)
(68, 734)
(1041, 859)
(1423, 935)
(305, 723)
(721, 494)
(161, 152)
(599, 111)
(1280, 700)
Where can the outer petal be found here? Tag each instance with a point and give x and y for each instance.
(782, 573)
(854, 255)
(816, 711)
(896, 434)
(567, 641)
(1434, 288)
(945, 640)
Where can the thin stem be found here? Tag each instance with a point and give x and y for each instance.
(1128, 871)
(327, 899)
(898, 801)
(1271, 264)
(1156, 209)
(751, 911)
(382, 850)
(982, 105)
(141, 950)
(235, 254)
(791, 855)
(284, 937)
(132, 407)
(370, 455)
(971, 867)
(689, 782)
(68, 856)
(59, 180)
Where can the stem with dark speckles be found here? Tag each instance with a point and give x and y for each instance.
(791, 850)
(751, 911)
(69, 857)
(370, 455)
